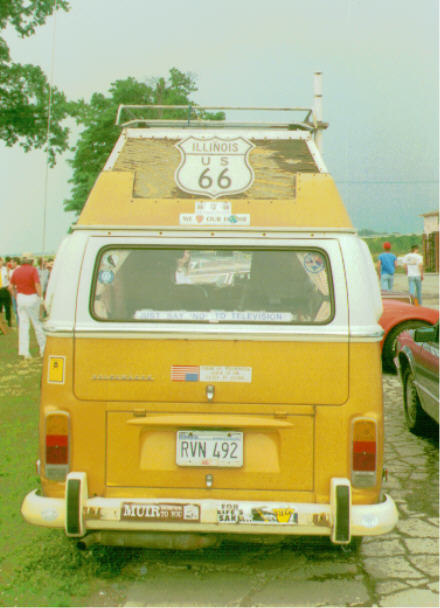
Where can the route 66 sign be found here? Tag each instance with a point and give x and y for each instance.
(214, 166)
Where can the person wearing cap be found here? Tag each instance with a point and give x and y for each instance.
(25, 284)
(386, 267)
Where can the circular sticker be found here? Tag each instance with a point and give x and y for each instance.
(106, 276)
(313, 262)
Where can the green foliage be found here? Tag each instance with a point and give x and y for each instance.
(24, 89)
(367, 232)
(26, 15)
(24, 103)
(99, 132)
(400, 243)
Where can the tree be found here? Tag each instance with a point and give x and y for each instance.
(24, 89)
(99, 133)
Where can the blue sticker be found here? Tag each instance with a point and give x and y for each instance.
(313, 262)
(106, 276)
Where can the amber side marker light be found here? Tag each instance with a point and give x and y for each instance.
(57, 445)
(363, 457)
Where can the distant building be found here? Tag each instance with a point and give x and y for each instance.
(430, 240)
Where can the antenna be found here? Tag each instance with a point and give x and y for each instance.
(317, 107)
(49, 118)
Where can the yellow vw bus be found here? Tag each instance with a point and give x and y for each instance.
(212, 366)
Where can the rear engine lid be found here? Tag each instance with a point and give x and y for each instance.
(173, 450)
(241, 371)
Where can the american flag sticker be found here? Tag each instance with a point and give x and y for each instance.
(185, 373)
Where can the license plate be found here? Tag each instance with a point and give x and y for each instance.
(209, 449)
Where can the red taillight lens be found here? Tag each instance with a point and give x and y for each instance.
(364, 452)
(57, 439)
(57, 449)
(364, 455)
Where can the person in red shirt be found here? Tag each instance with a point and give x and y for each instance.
(25, 284)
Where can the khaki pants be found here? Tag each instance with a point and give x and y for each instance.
(28, 308)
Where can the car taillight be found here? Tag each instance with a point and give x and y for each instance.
(363, 457)
(57, 445)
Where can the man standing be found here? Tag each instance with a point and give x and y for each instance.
(413, 263)
(25, 283)
(5, 296)
(386, 267)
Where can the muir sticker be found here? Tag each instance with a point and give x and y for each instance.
(214, 166)
(132, 511)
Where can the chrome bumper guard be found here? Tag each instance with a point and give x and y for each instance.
(78, 514)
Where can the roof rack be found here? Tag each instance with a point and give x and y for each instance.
(311, 122)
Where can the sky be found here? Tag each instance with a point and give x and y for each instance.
(379, 60)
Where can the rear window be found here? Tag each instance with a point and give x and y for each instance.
(146, 285)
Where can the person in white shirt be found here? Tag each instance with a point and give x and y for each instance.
(413, 263)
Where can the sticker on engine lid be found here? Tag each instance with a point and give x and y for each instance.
(210, 373)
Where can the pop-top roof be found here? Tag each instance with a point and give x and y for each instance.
(206, 176)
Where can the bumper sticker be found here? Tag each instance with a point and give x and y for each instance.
(225, 513)
(286, 516)
(321, 519)
(92, 513)
(235, 513)
(280, 516)
(229, 514)
(132, 511)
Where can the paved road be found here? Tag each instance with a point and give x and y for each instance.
(430, 287)
(400, 569)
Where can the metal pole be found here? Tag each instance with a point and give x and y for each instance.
(49, 118)
(317, 107)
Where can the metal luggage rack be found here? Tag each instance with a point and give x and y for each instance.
(134, 115)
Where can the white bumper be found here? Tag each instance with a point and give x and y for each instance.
(81, 514)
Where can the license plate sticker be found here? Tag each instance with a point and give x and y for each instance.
(209, 449)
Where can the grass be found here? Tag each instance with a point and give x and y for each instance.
(38, 566)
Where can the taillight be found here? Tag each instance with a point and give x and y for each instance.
(57, 445)
(364, 456)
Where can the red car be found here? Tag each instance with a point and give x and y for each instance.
(397, 317)
(417, 360)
